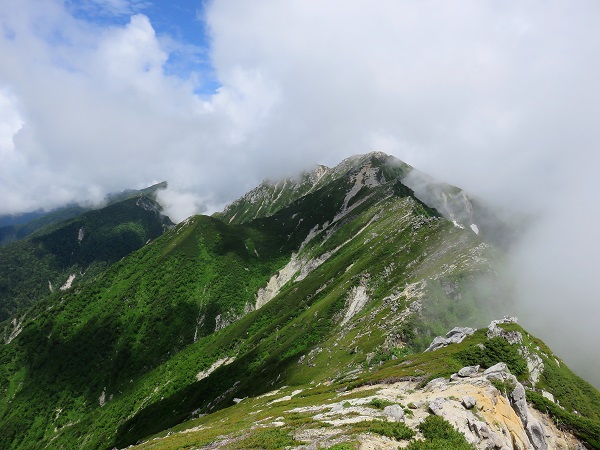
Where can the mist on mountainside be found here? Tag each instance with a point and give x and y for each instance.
(550, 269)
(555, 267)
(499, 99)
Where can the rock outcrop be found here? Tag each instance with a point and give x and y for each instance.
(488, 417)
(513, 337)
(468, 371)
(508, 422)
(395, 412)
(518, 400)
(454, 336)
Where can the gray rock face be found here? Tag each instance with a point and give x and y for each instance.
(535, 433)
(437, 406)
(497, 372)
(506, 319)
(518, 401)
(438, 342)
(468, 401)
(483, 433)
(512, 337)
(455, 377)
(535, 364)
(548, 395)
(479, 428)
(460, 331)
(454, 336)
(468, 371)
(394, 411)
(436, 381)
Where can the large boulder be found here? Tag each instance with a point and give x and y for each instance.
(468, 401)
(394, 411)
(454, 336)
(498, 372)
(437, 406)
(468, 371)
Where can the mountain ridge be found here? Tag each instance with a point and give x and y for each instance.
(15, 228)
(342, 286)
(280, 193)
(55, 256)
(450, 201)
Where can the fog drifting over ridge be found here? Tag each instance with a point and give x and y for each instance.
(500, 99)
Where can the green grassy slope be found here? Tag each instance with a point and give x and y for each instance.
(133, 317)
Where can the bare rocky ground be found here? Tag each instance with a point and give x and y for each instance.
(489, 418)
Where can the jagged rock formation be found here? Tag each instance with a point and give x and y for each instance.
(455, 336)
(513, 337)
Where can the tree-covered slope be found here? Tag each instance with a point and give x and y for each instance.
(26, 224)
(63, 253)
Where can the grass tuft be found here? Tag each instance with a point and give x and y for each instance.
(267, 439)
(379, 403)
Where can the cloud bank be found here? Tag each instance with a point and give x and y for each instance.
(500, 98)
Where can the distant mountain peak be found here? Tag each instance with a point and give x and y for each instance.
(270, 196)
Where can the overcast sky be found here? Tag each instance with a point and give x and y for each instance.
(501, 98)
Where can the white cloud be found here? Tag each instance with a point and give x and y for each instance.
(10, 123)
(182, 204)
(131, 56)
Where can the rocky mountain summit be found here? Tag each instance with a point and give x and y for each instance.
(298, 317)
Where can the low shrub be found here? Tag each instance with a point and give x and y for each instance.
(379, 403)
(439, 435)
(394, 430)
